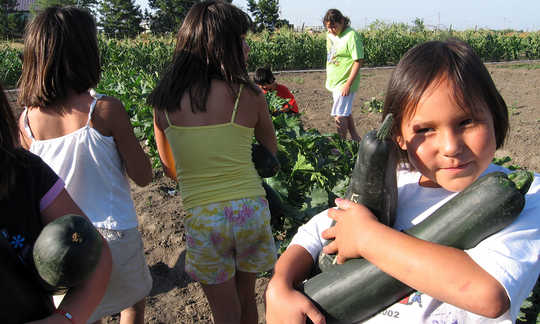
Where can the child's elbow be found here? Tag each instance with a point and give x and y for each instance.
(143, 177)
(499, 308)
(495, 305)
(144, 180)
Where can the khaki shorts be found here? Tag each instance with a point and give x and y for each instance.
(130, 278)
(226, 236)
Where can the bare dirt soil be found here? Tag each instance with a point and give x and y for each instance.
(175, 298)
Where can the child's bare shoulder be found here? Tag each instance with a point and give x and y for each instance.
(110, 114)
(255, 95)
(109, 103)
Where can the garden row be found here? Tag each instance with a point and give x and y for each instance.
(288, 50)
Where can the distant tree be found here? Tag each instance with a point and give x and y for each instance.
(120, 18)
(11, 21)
(266, 14)
(418, 25)
(39, 5)
(169, 14)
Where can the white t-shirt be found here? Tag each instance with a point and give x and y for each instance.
(511, 256)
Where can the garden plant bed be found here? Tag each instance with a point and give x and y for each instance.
(175, 298)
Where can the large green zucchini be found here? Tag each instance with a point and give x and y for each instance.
(357, 289)
(67, 252)
(373, 179)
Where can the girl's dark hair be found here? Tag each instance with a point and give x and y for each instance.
(60, 55)
(208, 46)
(455, 61)
(9, 144)
(263, 76)
(335, 16)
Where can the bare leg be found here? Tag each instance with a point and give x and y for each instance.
(133, 314)
(352, 129)
(342, 126)
(245, 285)
(224, 302)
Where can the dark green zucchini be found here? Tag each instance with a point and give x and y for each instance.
(275, 204)
(373, 179)
(357, 289)
(266, 163)
(67, 252)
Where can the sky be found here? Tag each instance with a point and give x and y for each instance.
(458, 14)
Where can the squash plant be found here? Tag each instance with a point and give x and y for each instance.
(314, 170)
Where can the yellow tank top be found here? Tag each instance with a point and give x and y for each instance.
(213, 162)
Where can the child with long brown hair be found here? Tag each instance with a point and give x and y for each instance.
(206, 112)
(31, 196)
(88, 140)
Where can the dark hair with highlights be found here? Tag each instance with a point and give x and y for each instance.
(60, 56)
(10, 151)
(334, 16)
(208, 46)
(263, 76)
(452, 60)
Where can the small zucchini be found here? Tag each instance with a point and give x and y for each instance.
(275, 204)
(67, 252)
(266, 163)
(357, 289)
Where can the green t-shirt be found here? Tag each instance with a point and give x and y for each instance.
(341, 52)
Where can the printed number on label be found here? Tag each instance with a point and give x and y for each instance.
(391, 313)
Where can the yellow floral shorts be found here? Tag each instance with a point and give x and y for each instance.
(225, 236)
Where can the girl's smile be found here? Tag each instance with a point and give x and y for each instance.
(446, 143)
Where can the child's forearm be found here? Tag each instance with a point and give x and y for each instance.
(81, 301)
(354, 72)
(293, 266)
(445, 273)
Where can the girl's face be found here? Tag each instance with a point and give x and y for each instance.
(245, 47)
(334, 28)
(449, 146)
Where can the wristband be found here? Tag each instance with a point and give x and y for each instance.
(65, 314)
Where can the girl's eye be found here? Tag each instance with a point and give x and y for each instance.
(466, 122)
(422, 130)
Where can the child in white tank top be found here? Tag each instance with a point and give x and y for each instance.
(87, 139)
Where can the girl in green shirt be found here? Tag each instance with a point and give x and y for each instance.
(345, 56)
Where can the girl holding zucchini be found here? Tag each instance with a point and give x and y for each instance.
(449, 120)
(206, 112)
(31, 196)
(88, 140)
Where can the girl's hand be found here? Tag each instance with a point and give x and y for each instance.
(351, 233)
(285, 305)
(346, 90)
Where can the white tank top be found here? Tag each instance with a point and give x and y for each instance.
(91, 167)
